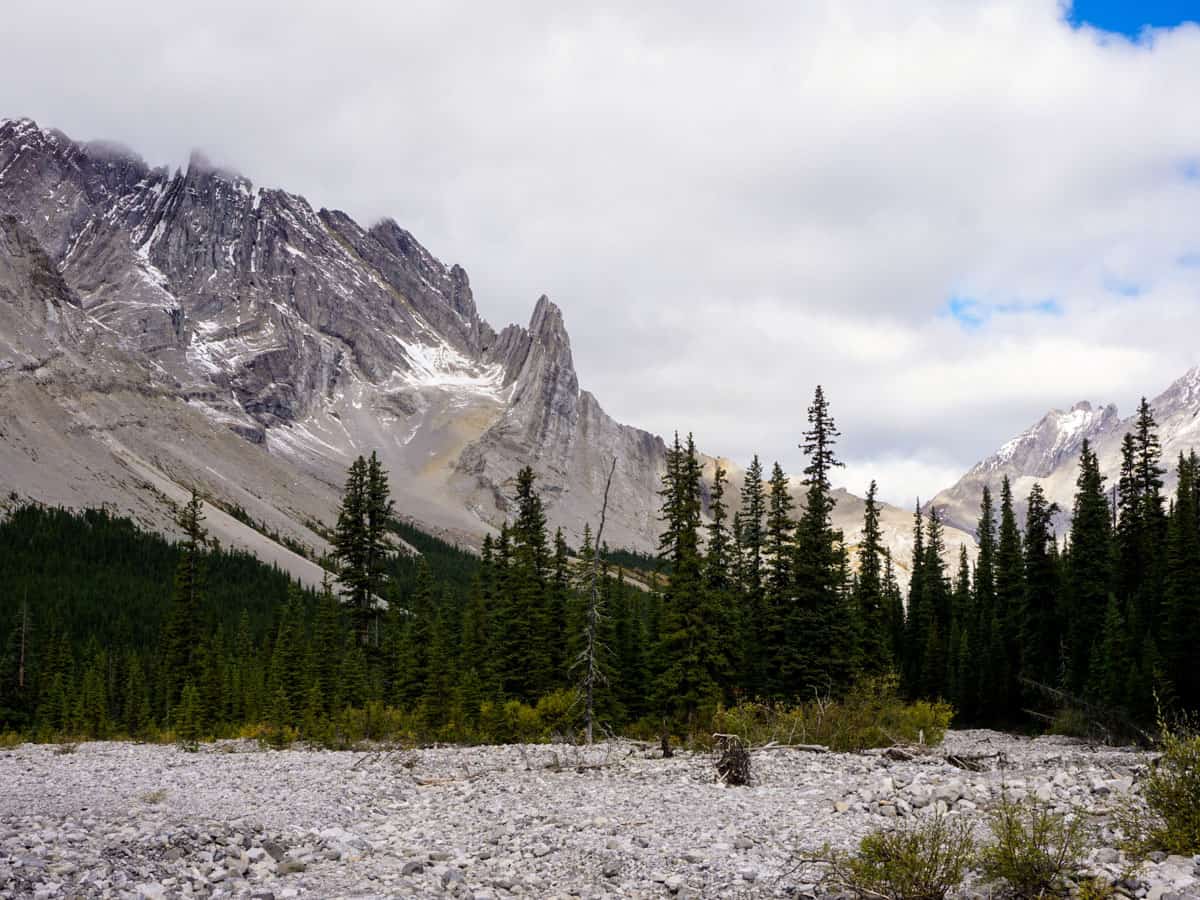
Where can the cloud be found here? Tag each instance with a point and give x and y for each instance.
(730, 203)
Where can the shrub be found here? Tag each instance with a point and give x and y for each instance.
(925, 859)
(1172, 795)
(1035, 850)
(10, 739)
(872, 714)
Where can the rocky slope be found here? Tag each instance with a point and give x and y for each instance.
(234, 820)
(1048, 452)
(160, 330)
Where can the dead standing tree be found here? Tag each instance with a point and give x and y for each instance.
(589, 657)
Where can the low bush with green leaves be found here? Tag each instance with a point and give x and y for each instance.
(924, 859)
(1171, 791)
(1034, 852)
(872, 714)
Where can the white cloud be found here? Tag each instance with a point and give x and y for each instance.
(730, 202)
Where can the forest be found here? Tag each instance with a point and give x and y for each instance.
(109, 631)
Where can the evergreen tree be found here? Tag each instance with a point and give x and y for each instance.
(819, 653)
(779, 584)
(876, 638)
(1039, 626)
(1089, 567)
(1010, 597)
(690, 656)
(1181, 619)
(754, 613)
(185, 628)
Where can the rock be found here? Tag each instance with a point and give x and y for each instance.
(276, 851)
(747, 874)
(743, 843)
(539, 850)
(291, 866)
(1106, 856)
(611, 868)
(413, 867)
(674, 883)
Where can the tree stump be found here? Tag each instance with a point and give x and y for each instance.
(733, 763)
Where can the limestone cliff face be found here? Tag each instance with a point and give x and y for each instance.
(160, 330)
(307, 336)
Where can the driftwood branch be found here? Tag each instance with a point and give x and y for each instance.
(799, 748)
(592, 673)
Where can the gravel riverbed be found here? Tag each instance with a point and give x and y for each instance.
(233, 820)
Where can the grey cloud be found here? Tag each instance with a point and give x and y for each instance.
(730, 202)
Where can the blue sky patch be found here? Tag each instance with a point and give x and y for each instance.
(1190, 260)
(1130, 18)
(1123, 288)
(973, 314)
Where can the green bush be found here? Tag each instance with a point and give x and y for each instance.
(925, 859)
(1035, 850)
(1172, 795)
(872, 714)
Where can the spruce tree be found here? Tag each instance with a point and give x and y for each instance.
(754, 614)
(350, 543)
(1090, 562)
(876, 638)
(690, 656)
(1039, 631)
(819, 652)
(1010, 597)
(1181, 613)
(779, 553)
(184, 630)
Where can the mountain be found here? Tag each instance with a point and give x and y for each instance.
(161, 330)
(1048, 452)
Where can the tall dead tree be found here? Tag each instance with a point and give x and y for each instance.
(589, 658)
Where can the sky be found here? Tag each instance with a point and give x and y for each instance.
(954, 215)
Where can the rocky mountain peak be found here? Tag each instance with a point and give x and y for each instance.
(1056, 436)
(1183, 393)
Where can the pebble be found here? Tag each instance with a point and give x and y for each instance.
(238, 822)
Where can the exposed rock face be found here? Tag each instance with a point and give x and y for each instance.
(1048, 453)
(210, 333)
(303, 335)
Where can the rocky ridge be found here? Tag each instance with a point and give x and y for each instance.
(161, 330)
(1048, 452)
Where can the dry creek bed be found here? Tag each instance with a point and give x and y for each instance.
(233, 820)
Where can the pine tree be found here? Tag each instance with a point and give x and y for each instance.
(350, 543)
(962, 680)
(936, 597)
(183, 633)
(526, 655)
(819, 653)
(1039, 626)
(416, 636)
(754, 614)
(779, 584)
(720, 582)
(876, 638)
(1181, 608)
(691, 659)
(918, 618)
(893, 601)
(991, 666)
(1010, 597)
(1090, 563)
(378, 515)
